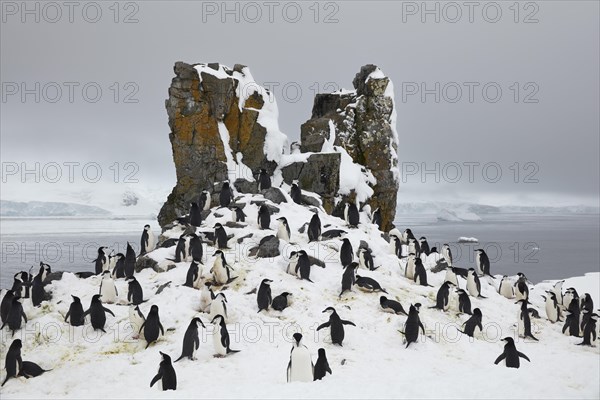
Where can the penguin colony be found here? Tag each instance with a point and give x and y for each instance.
(197, 241)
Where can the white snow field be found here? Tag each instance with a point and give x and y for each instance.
(373, 362)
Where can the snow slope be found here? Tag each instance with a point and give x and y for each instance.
(373, 361)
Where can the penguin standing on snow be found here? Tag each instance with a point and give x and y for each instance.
(472, 323)
(204, 200)
(447, 254)
(108, 289)
(521, 288)
(322, 366)
(135, 294)
(263, 297)
(412, 325)
(226, 195)
(296, 193)
(589, 330)
(221, 271)
(218, 306)
(351, 214)
(283, 229)
(376, 218)
(97, 313)
(557, 289)
(510, 354)
(238, 214)
(152, 326)
(221, 238)
(166, 374)
(101, 260)
(571, 327)
(473, 284)
(13, 362)
(221, 338)
(464, 303)
(506, 289)
(196, 251)
(195, 215)
(193, 275)
(264, 217)
(291, 268)
(136, 319)
(442, 299)
(524, 323)
(346, 252)
(420, 273)
(348, 277)
(191, 341)
(451, 276)
(553, 312)
(38, 293)
(119, 269)
(409, 270)
(365, 259)
(15, 315)
(206, 297)
(5, 305)
(483, 263)
(424, 245)
(129, 266)
(336, 325)
(75, 312)
(264, 180)
(300, 368)
(148, 240)
(303, 266)
(314, 228)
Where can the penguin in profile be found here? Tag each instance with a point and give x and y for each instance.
(409, 271)
(22, 284)
(365, 259)
(412, 325)
(129, 261)
(571, 327)
(166, 374)
(447, 254)
(238, 214)
(221, 339)
(193, 275)
(281, 302)
(351, 214)
(182, 249)
(464, 303)
(283, 229)
(135, 294)
(451, 276)
(218, 306)
(44, 271)
(75, 312)
(300, 368)
(420, 273)
(38, 293)
(586, 302)
(221, 238)
(264, 217)
(191, 341)
(206, 297)
(510, 354)
(336, 325)
(291, 268)
(13, 361)
(472, 323)
(589, 330)
(396, 245)
(322, 366)
(136, 319)
(152, 326)
(368, 284)
(570, 294)
(348, 277)
(414, 248)
(506, 289)
(226, 195)
(221, 271)
(442, 299)
(196, 251)
(97, 313)
(296, 193)
(119, 269)
(263, 297)
(376, 218)
(553, 312)
(557, 289)
(31, 370)
(5, 305)
(108, 289)
(483, 263)
(101, 259)
(392, 306)
(148, 240)
(15, 315)
(521, 288)
(524, 323)
(264, 180)
(424, 245)
(303, 266)
(204, 200)
(195, 215)
(346, 252)
(473, 284)
(314, 228)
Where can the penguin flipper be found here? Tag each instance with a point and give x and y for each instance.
(67, 316)
(156, 378)
(323, 325)
(108, 311)
(348, 323)
(289, 370)
(180, 357)
(523, 355)
(501, 357)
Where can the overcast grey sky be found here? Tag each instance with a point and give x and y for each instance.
(543, 56)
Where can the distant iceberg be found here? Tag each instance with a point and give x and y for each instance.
(48, 209)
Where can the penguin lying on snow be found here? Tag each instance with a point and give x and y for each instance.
(368, 284)
(391, 306)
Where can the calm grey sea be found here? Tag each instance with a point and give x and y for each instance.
(541, 246)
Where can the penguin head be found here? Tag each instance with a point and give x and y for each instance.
(283, 220)
(197, 320)
(217, 319)
(16, 344)
(76, 299)
(218, 253)
(147, 227)
(266, 282)
(509, 341)
(382, 299)
(154, 309)
(471, 271)
(460, 292)
(218, 226)
(286, 294)
(433, 250)
(96, 298)
(221, 294)
(165, 357)
(477, 312)
(329, 310)
(353, 264)
(101, 249)
(322, 353)
(293, 254)
(297, 338)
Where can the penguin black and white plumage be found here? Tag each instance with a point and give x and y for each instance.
(196, 251)
(572, 327)
(44, 271)
(409, 271)
(15, 316)
(396, 242)
(412, 325)
(135, 293)
(221, 271)
(521, 288)
(376, 218)
(283, 229)
(108, 289)
(300, 368)
(365, 259)
(6, 304)
(336, 325)
(119, 269)
(368, 284)
(166, 374)
(193, 275)
(281, 302)
(424, 245)
(412, 241)
(586, 302)
(218, 306)
(451, 276)
(569, 295)
(238, 214)
(97, 313)
(182, 249)
(420, 273)
(483, 263)
(206, 297)
(392, 306)
(152, 326)
(221, 238)
(75, 313)
(348, 277)
(101, 260)
(226, 195)
(442, 298)
(557, 289)
(472, 323)
(204, 200)
(447, 254)
(322, 366)
(589, 329)
(13, 361)
(296, 193)
(346, 252)
(473, 284)
(464, 303)
(553, 310)
(195, 215)
(221, 339)
(22, 284)
(264, 217)
(38, 293)
(31, 370)
(191, 340)
(136, 319)
(264, 180)
(510, 354)
(148, 240)
(129, 266)
(314, 228)
(524, 323)
(291, 268)
(506, 289)
(351, 214)
(263, 297)
(303, 266)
